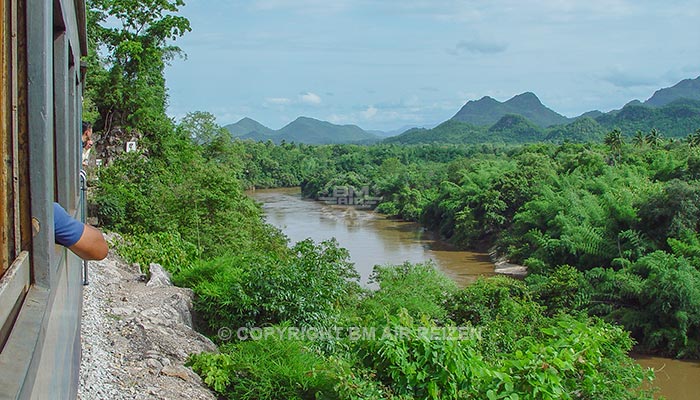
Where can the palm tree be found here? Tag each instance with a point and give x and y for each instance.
(694, 139)
(654, 138)
(638, 139)
(615, 140)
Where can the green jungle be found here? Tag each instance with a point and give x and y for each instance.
(608, 228)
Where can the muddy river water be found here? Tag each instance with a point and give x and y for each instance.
(372, 239)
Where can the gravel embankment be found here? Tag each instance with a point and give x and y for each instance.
(136, 338)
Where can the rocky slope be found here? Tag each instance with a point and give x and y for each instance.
(136, 336)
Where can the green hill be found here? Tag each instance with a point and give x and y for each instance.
(516, 129)
(248, 126)
(302, 130)
(583, 129)
(312, 131)
(685, 89)
(510, 128)
(487, 111)
(450, 131)
(676, 119)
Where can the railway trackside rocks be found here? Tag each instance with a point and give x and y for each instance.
(136, 338)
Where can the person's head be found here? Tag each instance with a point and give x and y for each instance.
(87, 135)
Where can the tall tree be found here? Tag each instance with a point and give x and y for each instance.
(694, 138)
(130, 44)
(615, 141)
(639, 140)
(654, 138)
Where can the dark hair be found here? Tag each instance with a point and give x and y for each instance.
(86, 126)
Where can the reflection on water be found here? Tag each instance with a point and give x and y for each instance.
(370, 238)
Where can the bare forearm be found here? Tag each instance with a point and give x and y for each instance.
(91, 246)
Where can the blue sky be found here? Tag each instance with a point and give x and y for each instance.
(389, 64)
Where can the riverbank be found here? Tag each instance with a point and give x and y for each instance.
(300, 218)
(370, 238)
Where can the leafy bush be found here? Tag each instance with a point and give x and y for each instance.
(657, 299)
(502, 307)
(572, 359)
(306, 287)
(413, 364)
(268, 369)
(165, 248)
(566, 358)
(564, 290)
(420, 289)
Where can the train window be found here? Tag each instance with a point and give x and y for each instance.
(40, 111)
(66, 132)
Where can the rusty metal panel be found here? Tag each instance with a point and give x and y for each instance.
(5, 172)
(23, 216)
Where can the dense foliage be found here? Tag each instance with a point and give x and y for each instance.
(585, 218)
(609, 231)
(397, 356)
(675, 120)
(498, 338)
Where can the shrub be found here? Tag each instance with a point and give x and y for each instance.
(306, 287)
(165, 248)
(418, 288)
(502, 307)
(563, 290)
(416, 365)
(268, 369)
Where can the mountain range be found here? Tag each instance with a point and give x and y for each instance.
(302, 130)
(487, 111)
(674, 111)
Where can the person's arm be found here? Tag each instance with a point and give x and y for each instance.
(91, 245)
(82, 239)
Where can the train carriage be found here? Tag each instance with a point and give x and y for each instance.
(41, 46)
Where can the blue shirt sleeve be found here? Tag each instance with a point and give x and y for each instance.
(67, 231)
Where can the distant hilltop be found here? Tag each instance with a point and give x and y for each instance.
(674, 111)
(302, 130)
(488, 111)
(685, 89)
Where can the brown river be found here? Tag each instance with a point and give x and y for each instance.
(372, 239)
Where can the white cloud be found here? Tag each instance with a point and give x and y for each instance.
(339, 119)
(370, 112)
(310, 98)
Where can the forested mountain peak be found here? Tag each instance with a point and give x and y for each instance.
(527, 99)
(247, 126)
(487, 111)
(301, 130)
(685, 89)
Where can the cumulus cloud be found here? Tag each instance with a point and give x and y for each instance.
(310, 98)
(370, 112)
